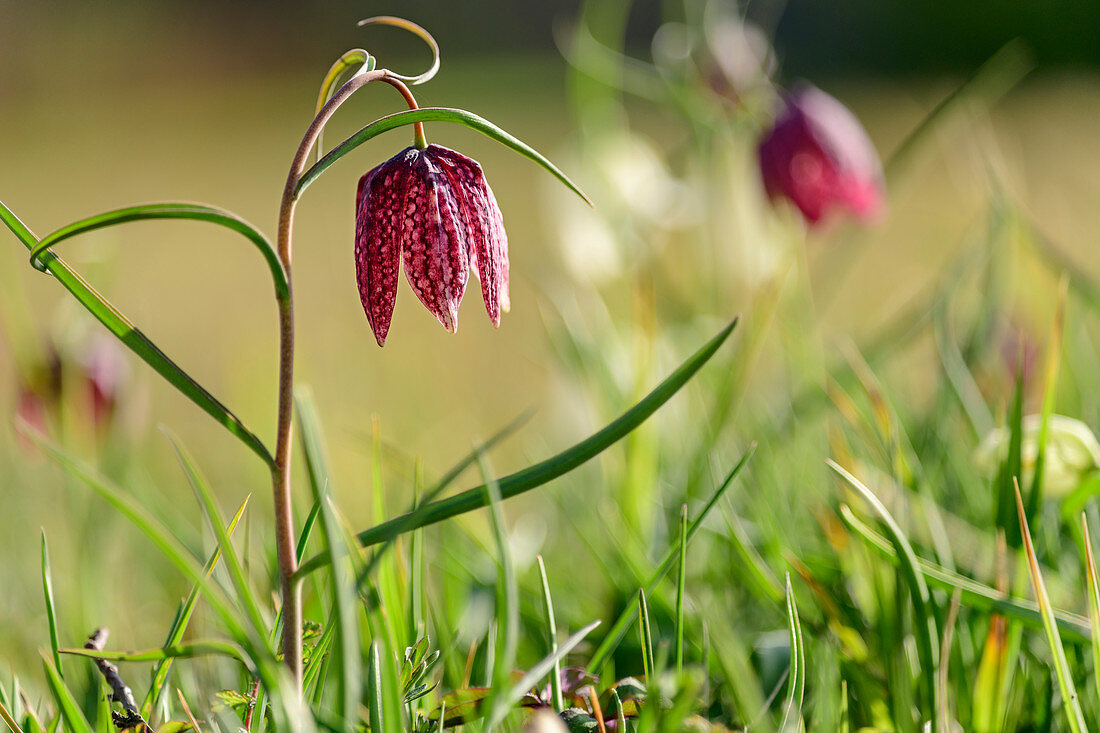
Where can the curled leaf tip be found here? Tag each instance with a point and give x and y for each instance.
(416, 30)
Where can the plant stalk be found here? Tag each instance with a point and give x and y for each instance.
(290, 586)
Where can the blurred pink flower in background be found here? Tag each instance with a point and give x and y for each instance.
(818, 156)
(103, 373)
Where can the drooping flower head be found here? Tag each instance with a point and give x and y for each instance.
(818, 156)
(431, 211)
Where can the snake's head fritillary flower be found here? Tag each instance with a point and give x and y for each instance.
(818, 156)
(431, 211)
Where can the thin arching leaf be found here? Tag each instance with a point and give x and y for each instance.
(925, 620)
(434, 114)
(168, 210)
(546, 471)
(134, 339)
(974, 594)
(796, 680)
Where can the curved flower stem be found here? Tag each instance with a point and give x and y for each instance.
(280, 474)
(419, 140)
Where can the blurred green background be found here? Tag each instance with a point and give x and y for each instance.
(114, 103)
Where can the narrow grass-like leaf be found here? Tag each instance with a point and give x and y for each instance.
(434, 114)
(66, 703)
(974, 594)
(245, 594)
(551, 638)
(1050, 389)
(681, 579)
(183, 618)
(135, 340)
(1072, 705)
(645, 632)
(545, 471)
(6, 716)
(1093, 585)
(507, 599)
(51, 610)
(536, 673)
(844, 722)
(350, 678)
(925, 619)
(201, 648)
(374, 688)
(622, 623)
(796, 679)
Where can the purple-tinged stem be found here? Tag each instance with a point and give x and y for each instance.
(280, 475)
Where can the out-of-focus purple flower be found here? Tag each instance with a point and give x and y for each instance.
(818, 156)
(104, 372)
(39, 394)
(433, 210)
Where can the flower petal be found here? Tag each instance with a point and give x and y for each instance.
(378, 223)
(488, 242)
(433, 239)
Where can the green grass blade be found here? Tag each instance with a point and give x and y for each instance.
(434, 114)
(9, 720)
(646, 631)
(66, 703)
(245, 594)
(622, 624)
(546, 471)
(51, 610)
(681, 580)
(551, 638)
(375, 704)
(974, 594)
(796, 680)
(1074, 716)
(135, 340)
(1050, 389)
(845, 725)
(179, 627)
(507, 598)
(536, 673)
(349, 652)
(1093, 586)
(925, 620)
(201, 648)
